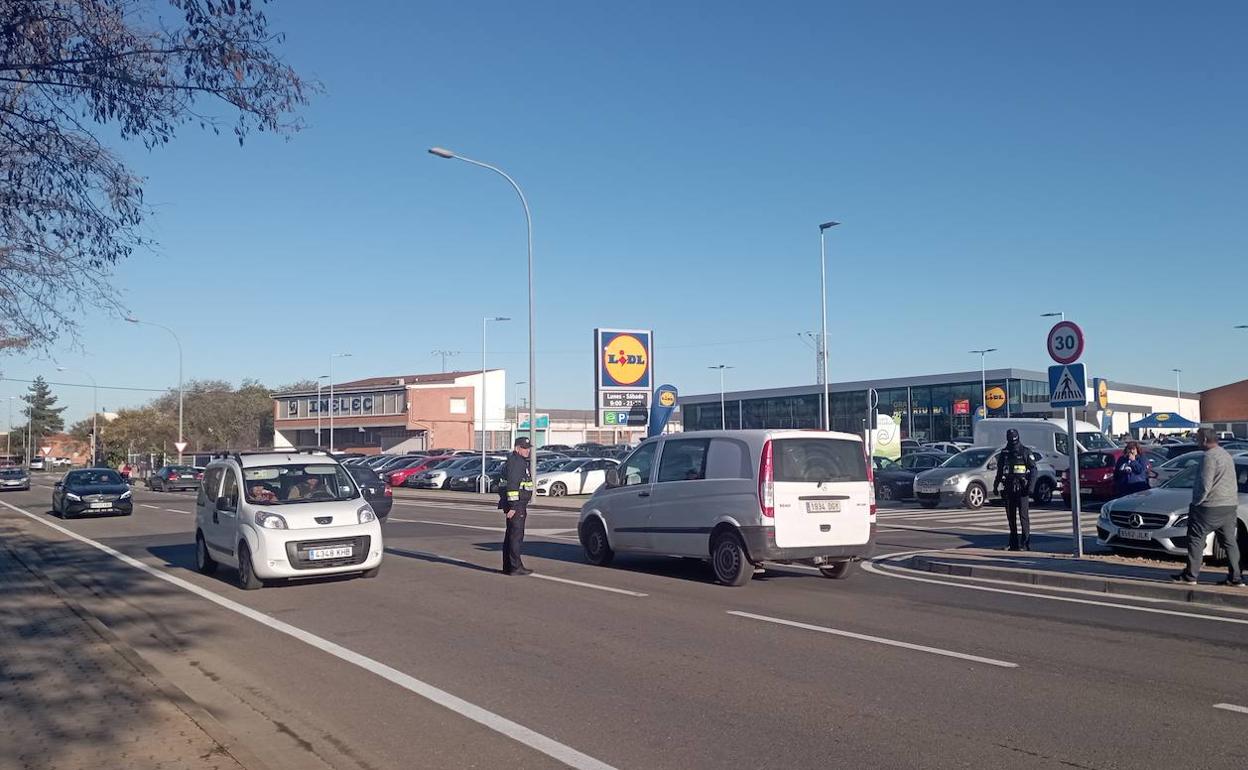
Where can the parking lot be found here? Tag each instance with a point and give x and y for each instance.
(442, 662)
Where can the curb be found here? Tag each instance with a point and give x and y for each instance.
(1105, 585)
(183, 702)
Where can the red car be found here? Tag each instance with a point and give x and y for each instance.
(396, 478)
(1096, 474)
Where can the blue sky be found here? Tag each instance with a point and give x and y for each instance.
(990, 161)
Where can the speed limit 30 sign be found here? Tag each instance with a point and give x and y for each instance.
(1065, 342)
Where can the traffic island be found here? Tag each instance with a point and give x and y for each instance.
(1107, 574)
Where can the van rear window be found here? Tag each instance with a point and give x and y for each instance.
(818, 459)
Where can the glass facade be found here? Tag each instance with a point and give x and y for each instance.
(925, 412)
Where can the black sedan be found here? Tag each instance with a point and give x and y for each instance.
(896, 481)
(377, 492)
(174, 477)
(95, 490)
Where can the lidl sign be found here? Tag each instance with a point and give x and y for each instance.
(623, 371)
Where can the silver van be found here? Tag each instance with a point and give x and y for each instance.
(738, 498)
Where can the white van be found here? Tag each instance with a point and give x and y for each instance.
(1045, 435)
(284, 514)
(738, 498)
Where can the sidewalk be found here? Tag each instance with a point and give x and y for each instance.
(1102, 573)
(74, 696)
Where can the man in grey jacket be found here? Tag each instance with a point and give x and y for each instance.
(1214, 508)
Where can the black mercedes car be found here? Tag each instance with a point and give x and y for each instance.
(95, 490)
(896, 481)
(376, 491)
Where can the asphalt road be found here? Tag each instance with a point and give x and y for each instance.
(443, 662)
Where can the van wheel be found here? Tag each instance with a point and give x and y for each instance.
(204, 562)
(729, 561)
(1043, 494)
(838, 571)
(247, 579)
(558, 489)
(975, 496)
(594, 540)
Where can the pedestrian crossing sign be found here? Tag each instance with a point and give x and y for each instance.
(1068, 386)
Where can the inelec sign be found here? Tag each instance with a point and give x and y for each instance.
(623, 371)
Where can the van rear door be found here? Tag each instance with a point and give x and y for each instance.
(822, 496)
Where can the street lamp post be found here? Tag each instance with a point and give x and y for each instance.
(1059, 314)
(983, 377)
(1178, 391)
(528, 220)
(8, 435)
(332, 356)
(181, 394)
(318, 407)
(723, 414)
(483, 483)
(95, 409)
(825, 408)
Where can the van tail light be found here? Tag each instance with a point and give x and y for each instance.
(766, 484)
(389, 491)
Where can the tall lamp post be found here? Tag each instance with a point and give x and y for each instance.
(181, 394)
(1178, 391)
(983, 376)
(824, 408)
(318, 407)
(528, 220)
(8, 435)
(95, 409)
(332, 356)
(483, 483)
(723, 415)
(1061, 314)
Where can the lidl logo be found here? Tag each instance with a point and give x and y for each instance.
(995, 397)
(625, 360)
(1162, 417)
(1102, 393)
(667, 398)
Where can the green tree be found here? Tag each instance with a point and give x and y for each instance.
(41, 409)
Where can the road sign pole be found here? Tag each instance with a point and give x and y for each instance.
(1072, 475)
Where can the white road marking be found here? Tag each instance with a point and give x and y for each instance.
(517, 732)
(588, 585)
(1231, 707)
(175, 510)
(535, 531)
(875, 569)
(876, 639)
(146, 505)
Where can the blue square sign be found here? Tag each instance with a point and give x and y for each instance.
(1068, 386)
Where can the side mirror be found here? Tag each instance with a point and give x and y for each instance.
(223, 503)
(57, 485)
(613, 478)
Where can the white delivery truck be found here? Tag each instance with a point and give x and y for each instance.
(1045, 435)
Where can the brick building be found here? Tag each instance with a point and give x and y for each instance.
(1226, 408)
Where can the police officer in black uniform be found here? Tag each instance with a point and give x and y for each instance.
(1017, 470)
(515, 492)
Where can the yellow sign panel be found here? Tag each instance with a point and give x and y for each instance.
(1102, 393)
(995, 397)
(625, 359)
(667, 398)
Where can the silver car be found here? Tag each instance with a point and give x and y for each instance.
(1156, 519)
(966, 479)
(1176, 465)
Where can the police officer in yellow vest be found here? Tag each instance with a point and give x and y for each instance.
(515, 492)
(1017, 470)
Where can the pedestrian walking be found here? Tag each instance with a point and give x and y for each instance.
(1214, 508)
(514, 493)
(1016, 470)
(1131, 471)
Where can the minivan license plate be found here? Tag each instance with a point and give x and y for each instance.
(823, 506)
(1135, 534)
(329, 553)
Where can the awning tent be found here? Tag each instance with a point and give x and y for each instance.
(1170, 420)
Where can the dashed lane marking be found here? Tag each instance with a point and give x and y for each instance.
(1231, 707)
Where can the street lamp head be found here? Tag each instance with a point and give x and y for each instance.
(441, 152)
(499, 318)
(1176, 370)
(1051, 315)
(1241, 326)
(827, 225)
(132, 319)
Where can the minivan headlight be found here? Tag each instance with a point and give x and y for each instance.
(270, 520)
(365, 515)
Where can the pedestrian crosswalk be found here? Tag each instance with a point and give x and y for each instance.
(1044, 520)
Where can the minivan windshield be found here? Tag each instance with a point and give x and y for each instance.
(1095, 440)
(818, 459)
(303, 483)
(971, 458)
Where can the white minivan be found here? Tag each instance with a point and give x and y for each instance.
(1044, 435)
(284, 514)
(738, 498)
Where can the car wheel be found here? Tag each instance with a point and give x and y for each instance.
(838, 571)
(975, 496)
(929, 503)
(247, 579)
(1043, 494)
(558, 489)
(729, 561)
(597, 547)
(369, 574)
(204, 563)
(886, 493)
